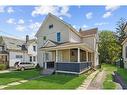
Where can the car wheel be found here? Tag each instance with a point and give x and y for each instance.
(22, 69)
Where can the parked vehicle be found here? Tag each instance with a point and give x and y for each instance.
(24, 65)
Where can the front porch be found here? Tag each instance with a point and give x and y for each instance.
(75, 60)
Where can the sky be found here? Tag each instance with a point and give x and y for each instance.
(19, 21)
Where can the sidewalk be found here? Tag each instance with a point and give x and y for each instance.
(5, 71)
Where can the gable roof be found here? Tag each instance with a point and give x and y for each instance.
(88, 32)
(57, 18)
(15, 44)
(81, 33)
(12, 43)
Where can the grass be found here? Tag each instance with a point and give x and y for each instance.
(108, 82)
(13, 76)
(57, 81)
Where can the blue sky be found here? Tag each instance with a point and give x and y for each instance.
(18, 21)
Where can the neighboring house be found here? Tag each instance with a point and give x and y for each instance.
(64, 48)
(124, 49)
(18, 50)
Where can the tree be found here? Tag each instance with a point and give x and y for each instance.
(109, 48)
(121, 25)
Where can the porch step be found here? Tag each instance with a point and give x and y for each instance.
(46, 72)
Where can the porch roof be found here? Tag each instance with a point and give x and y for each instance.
(68, 45)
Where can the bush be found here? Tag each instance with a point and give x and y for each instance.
(3, 66)
(38, 67)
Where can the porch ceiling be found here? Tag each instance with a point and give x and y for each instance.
(68, 46)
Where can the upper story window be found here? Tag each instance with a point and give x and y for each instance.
(126, 51)
(58, 37)
(50, 26)
(34, 48)
(44, 37)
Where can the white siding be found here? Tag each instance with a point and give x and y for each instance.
(74, 37)
(13, 59)
(51, 34)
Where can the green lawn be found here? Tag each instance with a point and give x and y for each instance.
(108, 82)
(17, 75)
(57, 81)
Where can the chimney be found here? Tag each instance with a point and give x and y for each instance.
(27, 38)
(80, 30)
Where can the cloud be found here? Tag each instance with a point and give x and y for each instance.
(89, 15)
(84, 26)
(11, 21)
(61, 18)
(10, 10)
(107, 14)
(101, 23)
(20, 28)
(34, 26)
(2, 9)
(56, 10)
(111, 8)
(21, 21)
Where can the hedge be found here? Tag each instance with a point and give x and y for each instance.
(3, 66)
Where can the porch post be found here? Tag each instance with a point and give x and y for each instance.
(56, 55)
(78, 54)
(86, 55)
(45, 60)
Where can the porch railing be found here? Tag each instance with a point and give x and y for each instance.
(72, 66)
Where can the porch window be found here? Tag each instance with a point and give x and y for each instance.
(89, 56)
(126, 51)
(58, 37)
(34, 58)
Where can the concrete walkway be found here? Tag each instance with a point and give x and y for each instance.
(13, 84)
(88, 80)
(18, 82)
(5, 71)
(97, 81)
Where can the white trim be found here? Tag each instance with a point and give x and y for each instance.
(48, 41)
(68, 72)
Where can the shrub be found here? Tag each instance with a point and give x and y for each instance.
(38, 67)
(3, 66)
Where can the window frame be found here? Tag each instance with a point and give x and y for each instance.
(58, 37)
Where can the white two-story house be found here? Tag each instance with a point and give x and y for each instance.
(15, 50)
(65, 49)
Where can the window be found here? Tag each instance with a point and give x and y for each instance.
(18, 56)
(50, 26)
(58, 37)
(126, 51)
(34, 58)
(44, 38)
(34, 48)
(30, 58)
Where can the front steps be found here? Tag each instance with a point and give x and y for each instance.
(47, 72)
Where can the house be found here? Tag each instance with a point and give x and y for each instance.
(65, 49)
(124, 48)
(15, 50)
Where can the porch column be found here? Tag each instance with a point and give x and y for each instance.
(78, 54)
(86, 55)
(56, 55)
(45, 60)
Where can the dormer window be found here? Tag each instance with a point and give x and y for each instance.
(50, 26)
